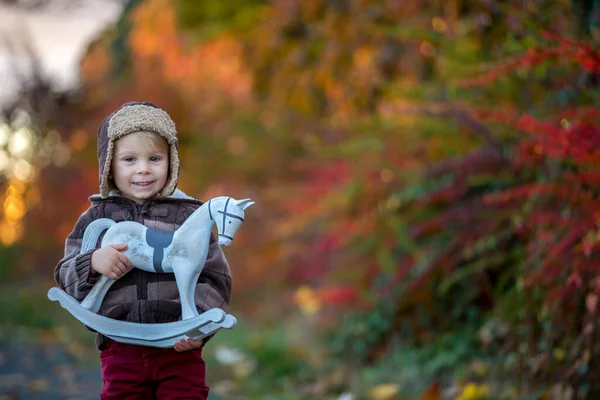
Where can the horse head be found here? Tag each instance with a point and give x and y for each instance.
(228, 214)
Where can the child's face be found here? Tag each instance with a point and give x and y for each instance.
(140, 166)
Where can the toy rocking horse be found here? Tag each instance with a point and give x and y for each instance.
(182, 252)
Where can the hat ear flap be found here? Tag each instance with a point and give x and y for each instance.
(173, 176)
(106, 173)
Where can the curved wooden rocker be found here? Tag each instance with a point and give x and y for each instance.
(182, 252)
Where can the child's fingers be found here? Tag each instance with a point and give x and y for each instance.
(181, 345)
(188, 344)
(114, 273)
(119, 246)
(125, 260)
(194, 344)
(121, 268)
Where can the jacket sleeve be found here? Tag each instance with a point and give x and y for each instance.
(73, 274)
(214, 284)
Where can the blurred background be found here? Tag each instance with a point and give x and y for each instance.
(426, 176)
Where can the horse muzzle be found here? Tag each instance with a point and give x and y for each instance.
(224, 240)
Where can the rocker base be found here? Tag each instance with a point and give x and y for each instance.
(200, 333)
(154, 335)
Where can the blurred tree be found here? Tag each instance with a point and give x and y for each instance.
(30, 139)
(207, 18)
(410, 237)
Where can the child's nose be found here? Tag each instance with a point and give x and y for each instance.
(143, 167)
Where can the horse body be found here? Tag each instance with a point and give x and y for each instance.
(145, 246)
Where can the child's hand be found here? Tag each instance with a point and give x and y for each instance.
(109, 261)
(188, 344)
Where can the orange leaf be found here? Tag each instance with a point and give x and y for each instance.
(434, 392)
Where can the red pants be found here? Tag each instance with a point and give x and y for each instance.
(140, 372)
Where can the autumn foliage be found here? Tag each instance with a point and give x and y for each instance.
(418, 166)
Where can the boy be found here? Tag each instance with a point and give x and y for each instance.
(139, 169)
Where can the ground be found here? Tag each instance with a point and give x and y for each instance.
(45, 369)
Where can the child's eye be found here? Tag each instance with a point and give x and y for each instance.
(128, 159)
(155, 158)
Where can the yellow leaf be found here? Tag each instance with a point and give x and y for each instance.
(559, 354)
(384, 391)
(472, 391)
(307, 301)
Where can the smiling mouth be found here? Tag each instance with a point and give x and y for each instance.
(146, 183)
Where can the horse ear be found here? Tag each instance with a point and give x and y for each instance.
(245, 203)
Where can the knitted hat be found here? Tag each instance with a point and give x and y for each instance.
(129, 118)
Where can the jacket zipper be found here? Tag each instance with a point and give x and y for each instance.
(142, 279)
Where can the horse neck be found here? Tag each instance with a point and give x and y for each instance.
(198, 224)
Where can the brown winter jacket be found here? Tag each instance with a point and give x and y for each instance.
(141, 296)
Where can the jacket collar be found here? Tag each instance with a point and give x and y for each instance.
(176, 195)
